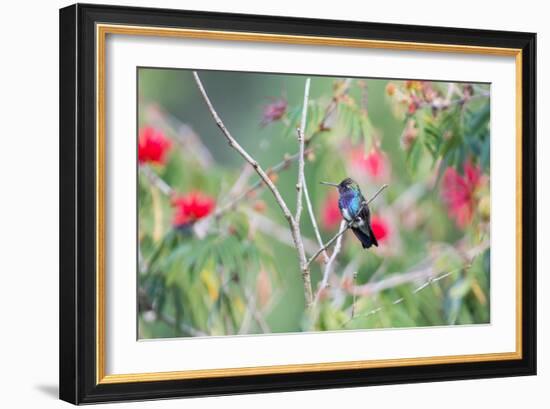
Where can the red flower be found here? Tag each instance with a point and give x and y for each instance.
(274, 111)
(375, 163)
(458, 192)
(330, 212)
(152, 145)
(191, 207)
(380, 228)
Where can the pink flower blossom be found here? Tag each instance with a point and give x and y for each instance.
(458, 192)
(274, 111)
(375, 163)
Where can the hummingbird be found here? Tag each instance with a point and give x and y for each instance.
(353, 208)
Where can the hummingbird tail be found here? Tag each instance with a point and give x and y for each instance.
(367, 239)
(371, 233)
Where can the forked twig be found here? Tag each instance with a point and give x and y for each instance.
(285, 163)
(294, 226)
(314, 222)
(428, 275)
(330, 262)
(156, 180)
(301, 159)
(245, 155)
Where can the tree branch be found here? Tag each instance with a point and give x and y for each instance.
(324, 125)
(241, 182)
(398, 279)
(428, 274)
(329, 243)
(284, 164)
(156, 181)
(264, 224)
(330, 262)
(202, 225)
(399, 300)
(277, 231)
(294, 227)
(184, 134)
(301, 159)
(245, 155)
(252, 312)
(304, 266)
(376, 194)
(314, 222)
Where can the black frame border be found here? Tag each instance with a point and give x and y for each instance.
(78, 197)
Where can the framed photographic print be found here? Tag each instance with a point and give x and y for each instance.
(254, 203)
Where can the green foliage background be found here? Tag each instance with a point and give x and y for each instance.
(208, 286)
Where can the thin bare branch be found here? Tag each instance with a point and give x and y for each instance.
(277, 231)
(330, 262)
(376, 194)
(304, 265)
(354, 296)
(329, 243)
(253, 312)
(399, 300)
(314, 222)
(184, 134)
(284, 164)
(156, 180)
(264, 224)
(241, 182)
(301, 159)
(246, 156)
(190, 141)
(398, 279)
(331, 108)
(294, 227)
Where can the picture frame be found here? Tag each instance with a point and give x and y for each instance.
(83, 193)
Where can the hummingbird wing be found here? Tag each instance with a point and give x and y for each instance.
(367, 240)
(364, 232)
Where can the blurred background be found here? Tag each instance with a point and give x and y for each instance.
(215, 252)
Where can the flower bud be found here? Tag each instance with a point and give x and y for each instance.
(390, 89)
(409, 134)
(259, 206)
(484, 208)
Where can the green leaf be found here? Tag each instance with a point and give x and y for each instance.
(367, 130)
(225, 257)
(479, 119)
(413, 155)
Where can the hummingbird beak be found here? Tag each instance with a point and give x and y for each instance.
(330, 184)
